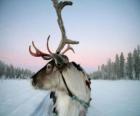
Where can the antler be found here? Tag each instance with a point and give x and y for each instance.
(64, 40)
(48, 45)
(67, 49)
(39, 53)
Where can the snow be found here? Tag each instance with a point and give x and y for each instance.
(115, 98)
(109, 98)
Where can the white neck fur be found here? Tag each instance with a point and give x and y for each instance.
(76, 83)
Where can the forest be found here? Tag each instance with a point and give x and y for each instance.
(11, 72)
(121, 68)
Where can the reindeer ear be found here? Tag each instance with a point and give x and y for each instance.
(60, 60)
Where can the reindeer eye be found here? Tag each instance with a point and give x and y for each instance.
(48, 67)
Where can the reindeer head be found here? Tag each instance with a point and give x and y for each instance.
(48, 76)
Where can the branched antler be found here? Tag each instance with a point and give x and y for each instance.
(64, 40)
(39, 53)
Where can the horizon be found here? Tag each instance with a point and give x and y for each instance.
(103, 28)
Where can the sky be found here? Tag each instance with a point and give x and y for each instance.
(103, 28)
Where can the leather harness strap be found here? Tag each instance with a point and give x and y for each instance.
(73, 97)
(83, 103)
(69, 92)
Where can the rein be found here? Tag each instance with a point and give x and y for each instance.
(69, 92)
(74, 97)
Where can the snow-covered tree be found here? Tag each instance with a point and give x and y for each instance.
(129, 66)
(9, 71)
(122, 64)
(136, 63)
(117, 67)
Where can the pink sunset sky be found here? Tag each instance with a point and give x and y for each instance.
(103, 29)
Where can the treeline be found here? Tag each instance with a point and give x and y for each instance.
(10, 72)
(121, 68)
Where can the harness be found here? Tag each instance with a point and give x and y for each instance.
(72, 96)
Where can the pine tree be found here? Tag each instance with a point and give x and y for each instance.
(117, 67)
(2, 68)
(109, 69)
(138, 49)
(103, 71)
(129, 66)
(113, 71)
(9, 71)
(122, 63)
(121, 69)
(136, 63)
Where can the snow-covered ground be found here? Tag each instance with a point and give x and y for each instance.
(109, 98)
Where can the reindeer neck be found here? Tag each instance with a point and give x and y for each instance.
(72, 105)
(75, 80)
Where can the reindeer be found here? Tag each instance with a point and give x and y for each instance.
(68, 81)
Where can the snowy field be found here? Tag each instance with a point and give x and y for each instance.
(110, 98)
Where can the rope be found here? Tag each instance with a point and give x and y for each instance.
(83, 103)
